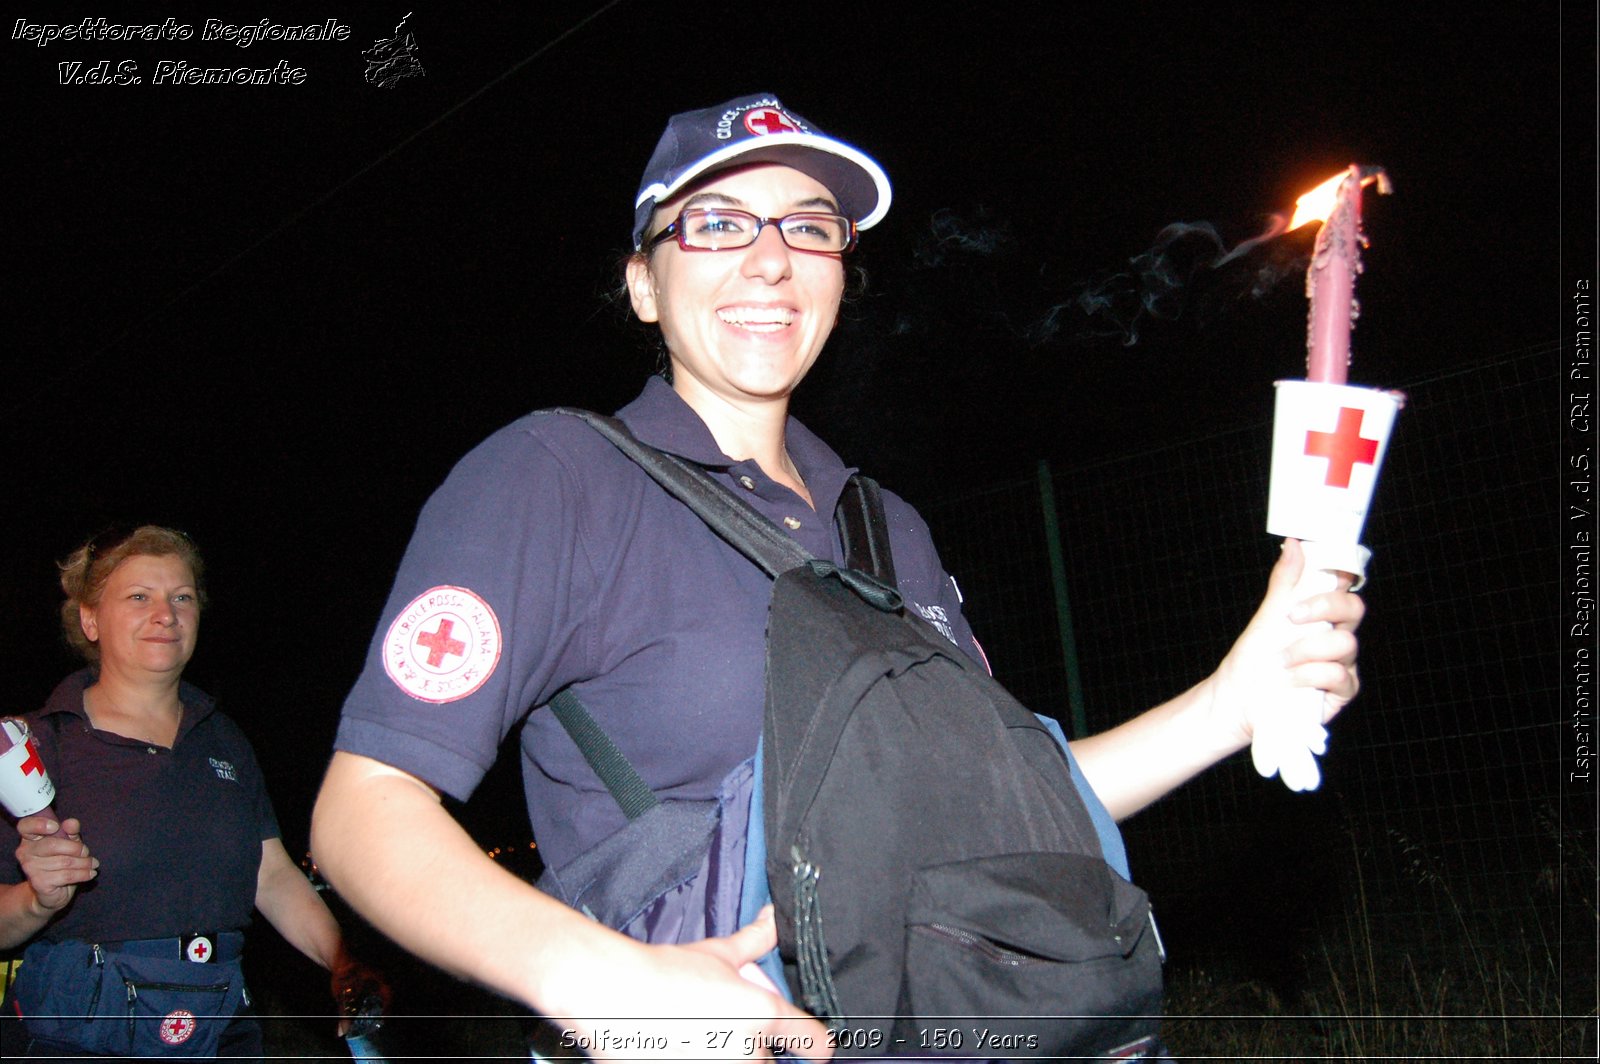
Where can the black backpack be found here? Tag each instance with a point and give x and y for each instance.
(939, 884)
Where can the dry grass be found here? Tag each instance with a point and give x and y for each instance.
(1372, 993)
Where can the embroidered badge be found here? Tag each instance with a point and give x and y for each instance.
(177, 1027)
(223, 769)
(765, 120)
(198, 949)
(443, 646)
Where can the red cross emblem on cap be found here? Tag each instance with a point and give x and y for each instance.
(1344, 447)
(765, 120)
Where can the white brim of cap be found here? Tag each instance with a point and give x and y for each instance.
(781, 147)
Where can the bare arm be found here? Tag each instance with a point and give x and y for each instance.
(1139, 761)
(384, 840)
(290, 904)
(54, 866)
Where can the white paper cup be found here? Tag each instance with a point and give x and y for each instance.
(1328, 444)
(25, 786)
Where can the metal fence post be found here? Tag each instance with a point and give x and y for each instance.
(1058, 582)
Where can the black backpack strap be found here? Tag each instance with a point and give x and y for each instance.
(864, 530)
(726, 514)
(609, 763)
(729, 516)
(747, 531)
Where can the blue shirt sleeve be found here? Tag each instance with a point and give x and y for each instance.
(496, 576)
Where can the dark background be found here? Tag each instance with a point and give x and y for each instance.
(274, 316)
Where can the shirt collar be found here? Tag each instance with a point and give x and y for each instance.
(661, 418)
(68, 698)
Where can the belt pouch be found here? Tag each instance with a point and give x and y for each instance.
(135, 999)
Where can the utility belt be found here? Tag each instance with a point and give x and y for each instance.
(197, 947)
(139, 997)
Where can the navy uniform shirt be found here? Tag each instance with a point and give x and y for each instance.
(178, 832)
(549, 559)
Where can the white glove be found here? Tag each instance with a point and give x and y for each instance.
(1286, 741)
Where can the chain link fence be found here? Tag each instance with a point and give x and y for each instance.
(1439, 828)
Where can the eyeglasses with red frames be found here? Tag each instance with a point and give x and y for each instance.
(724, 229)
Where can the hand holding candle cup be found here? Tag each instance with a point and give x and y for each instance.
(1329, 441)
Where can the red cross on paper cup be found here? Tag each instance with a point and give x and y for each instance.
(25, 786)
(1328, 442)
(443, 646)
(1344, 447)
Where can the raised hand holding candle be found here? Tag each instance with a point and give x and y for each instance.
(1328, 443)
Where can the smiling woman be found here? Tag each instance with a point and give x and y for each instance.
(184, 840)
(588, 577)
(86, 573)
(582, 582)
(138, 615)
(744, 317)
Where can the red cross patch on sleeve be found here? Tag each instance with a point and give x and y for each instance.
(443, 646)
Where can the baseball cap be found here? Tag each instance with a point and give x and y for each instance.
(754, 129)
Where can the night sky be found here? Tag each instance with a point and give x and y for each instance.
(275, 316)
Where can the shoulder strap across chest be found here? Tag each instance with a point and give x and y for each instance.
(862, 528)
(859, 516)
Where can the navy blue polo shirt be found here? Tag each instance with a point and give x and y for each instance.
(548, 559)
(178, 832)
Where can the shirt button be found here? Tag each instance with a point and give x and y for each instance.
(792, 522)
(749, 484)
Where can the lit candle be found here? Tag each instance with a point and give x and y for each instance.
(1335, 262)
(1319, 421)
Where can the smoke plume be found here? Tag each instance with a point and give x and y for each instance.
(1161, 283)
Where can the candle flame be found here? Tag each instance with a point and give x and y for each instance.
(1318, 204)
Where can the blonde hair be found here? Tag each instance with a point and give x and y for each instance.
(86, 571)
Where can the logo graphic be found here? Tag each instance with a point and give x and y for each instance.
(223, 769)
(177, 1027)
(765, 120)
(34, 763)
(1344, 447)
(443, 646)
(389, 61)
(198, 949)
(936, 616)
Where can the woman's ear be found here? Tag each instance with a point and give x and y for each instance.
(642, 288)
(91, 628)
